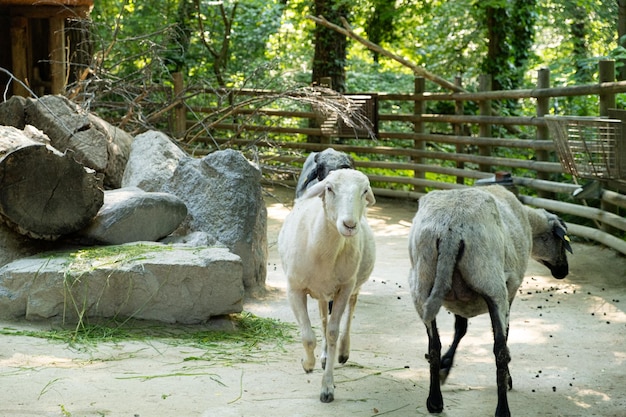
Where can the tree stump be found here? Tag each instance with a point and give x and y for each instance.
(44, 193)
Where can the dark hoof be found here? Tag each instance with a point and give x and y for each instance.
(327, 397)
(503, 413)
(324, 363)
(343, 359)
(434, 406)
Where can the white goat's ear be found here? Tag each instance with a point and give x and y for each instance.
(369, 197)
(315, 190)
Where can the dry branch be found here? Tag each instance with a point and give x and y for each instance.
(417, 70)
(324, 101)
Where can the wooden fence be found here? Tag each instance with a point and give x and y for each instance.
(415, 148)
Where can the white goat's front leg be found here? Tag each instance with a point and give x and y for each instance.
(344, 344)
(340, 302)
(323, 307)
(298, 302)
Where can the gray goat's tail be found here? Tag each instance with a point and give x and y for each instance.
(449, 252)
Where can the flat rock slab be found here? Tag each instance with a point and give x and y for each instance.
(133, 215)
(144, 280)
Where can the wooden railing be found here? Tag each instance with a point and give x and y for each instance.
(414, 150)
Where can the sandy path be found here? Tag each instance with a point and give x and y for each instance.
(567, 341)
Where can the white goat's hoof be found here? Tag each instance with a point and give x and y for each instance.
(327, 397)
(308, 367)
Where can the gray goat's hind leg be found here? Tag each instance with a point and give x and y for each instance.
(460, 329)
(434, 403)
(501, 352)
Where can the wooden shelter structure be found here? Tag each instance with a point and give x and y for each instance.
(39, 42)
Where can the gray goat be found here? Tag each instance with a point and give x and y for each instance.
(469, 250)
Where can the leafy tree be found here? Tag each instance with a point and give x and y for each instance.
(221, 18)
(270, 38)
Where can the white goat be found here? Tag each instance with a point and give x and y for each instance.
(469, 250)
(327, 251)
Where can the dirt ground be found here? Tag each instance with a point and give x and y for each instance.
(567, 342)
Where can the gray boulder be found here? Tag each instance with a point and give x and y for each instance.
(131, 215)
(226, 200)
(172, 284)
(222, 192)
(152, 161)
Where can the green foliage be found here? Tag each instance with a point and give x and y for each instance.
(274, 38)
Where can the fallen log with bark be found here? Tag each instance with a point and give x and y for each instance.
(44, 193)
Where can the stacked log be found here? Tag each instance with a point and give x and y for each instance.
(44, 193)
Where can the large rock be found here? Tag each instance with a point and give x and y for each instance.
(96, 144)
(222, 192)
(152, 161)
(142, 280)
(132, 215)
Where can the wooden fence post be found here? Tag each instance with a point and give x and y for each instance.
(606, 74)
(458, 128)
(180, 113)
(484, 84)
(543, 108)
(419, 107)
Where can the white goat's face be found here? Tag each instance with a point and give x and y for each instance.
(346, 194)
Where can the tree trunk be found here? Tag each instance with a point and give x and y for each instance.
(329, 59)
(497, 50)
(621, 33)
(330, 46)
(44, 194)
(580, 52)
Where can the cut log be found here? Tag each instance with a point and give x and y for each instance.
(44, 193)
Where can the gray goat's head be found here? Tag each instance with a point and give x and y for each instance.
(324, 162)
(550, 246)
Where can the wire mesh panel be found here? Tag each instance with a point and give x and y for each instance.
(589, 147)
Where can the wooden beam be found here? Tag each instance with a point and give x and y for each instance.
(19, 54)
(56, 46)
(43, 11)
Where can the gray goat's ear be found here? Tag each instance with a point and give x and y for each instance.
(562, 234)
(312, 176)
